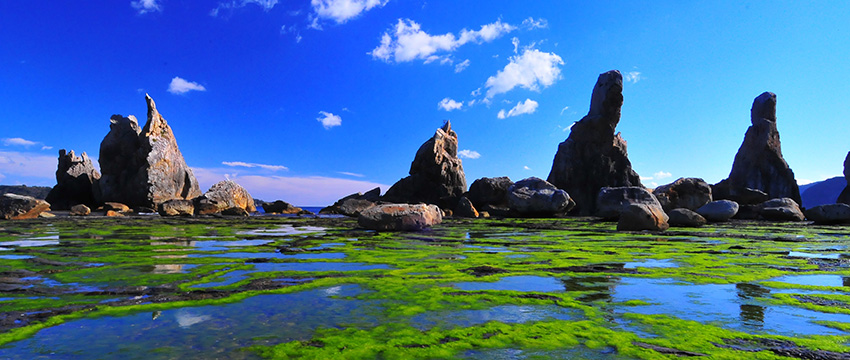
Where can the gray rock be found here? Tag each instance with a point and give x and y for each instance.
(400, 217)
(688, 193)
(490, 191)
(353, 204)
(594, 155)
(683, 217)
(20, 207)
(718, 211)
(829, 214)
(143, 167)
(638, 217)
(612, 201)
(759, 164)
(177, 207)
(280, 207)
(436, 174)
(222, 196)
(76, 182)
(465, 208)
(783, 209)
(80, 210)
(537, 197)
(353, 207)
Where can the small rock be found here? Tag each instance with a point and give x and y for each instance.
(466, 209)
(685, 218)
(718, 211)
(19, 207)
(80, 210)
(113, 213)
(116, 206)
(537, 197)
(400, 217)
(782, 209)
(637, 217)
(484, 214)
(829, 214)
(688, 193)
(177, 207)
(46, 215)
(611, 201)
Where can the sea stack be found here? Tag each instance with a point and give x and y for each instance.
(759, 166)
(436, 174)
(844, 197)
(76, 182)
(143, 167)
(594, 156)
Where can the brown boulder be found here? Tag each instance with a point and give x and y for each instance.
(683, 217)
(20, 207)
(280, 207)
(80, 210)
(594, 155)
(638, 217)
(400, 217)
(222, 196)
(688, 193)
(176, 207)
(465, 208)
(353, 204)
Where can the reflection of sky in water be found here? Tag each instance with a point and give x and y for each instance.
(814, 279)
(813, 255)
(513, 314)
(729, 305)
(651, 263)
(206, 332)
(515, 283)
(16, 257)
(33, 242)
(273, 255)
(216, 245)
(284, 231)
(239, 275)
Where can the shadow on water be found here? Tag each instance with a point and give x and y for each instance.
(206, 332)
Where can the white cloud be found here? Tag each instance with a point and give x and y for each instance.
(462, 66)
(564, 109)
(661, 175)
(527, 107)
(33, 166)
(45, 147)
(515, 42)
(468, 154)
(526, 168)
(532, 24)
(804, 181)
(18, 142)
(633, 76)
(350, 174)
(234, 4)
(298, 190)
(329, 120)
(449, 104)
(531, 70)
(145, 6)
(340, 11)
(254, 165)
(180, 86)
(407, 42)
(186, 319)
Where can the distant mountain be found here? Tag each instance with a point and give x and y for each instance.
(38, 192)
(822, 192)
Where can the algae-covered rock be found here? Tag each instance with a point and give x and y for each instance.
(400, 217)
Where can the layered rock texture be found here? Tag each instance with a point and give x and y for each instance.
(594, 156)
(226, 197)
(759, 165)
(76, 182)
(844, 197)
(143, 167)
(436, 174)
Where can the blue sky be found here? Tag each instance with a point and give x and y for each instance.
(308, 101)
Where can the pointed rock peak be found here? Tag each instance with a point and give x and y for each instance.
(151, 106)
(764, 107)
(447, 126)
(607, 98)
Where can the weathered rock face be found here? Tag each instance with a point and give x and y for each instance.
(400, 217)
(719, 210)
(222, 196)
(759, 164)
(436, 174)
(537, 197)
(844, 197)
(612, 201)
(594, 156)
(637, 217)
(684, 217)
(829, 214)
(688, 193)
(20, 207)
(143, 167)
(176, 207)
(76, 182)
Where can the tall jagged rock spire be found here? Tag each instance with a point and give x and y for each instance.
(759, 167)
(594, 156)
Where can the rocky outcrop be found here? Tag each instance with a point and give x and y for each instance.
(594, 156)
(79, 210)
(76, 182)
(436, 174)
(683, 217)
(280, 207)
(719, 210)
(688, 193)
(490, 191)
(638, 217)
(844, 197)
(20, 207)
(176, 207)
(400, 217)
(466, 209)
(143, 167)
(759, 165)
(829, 214)
(612, 201)
(353, 204)
(537, 197)
(783, 209)
(224, 195)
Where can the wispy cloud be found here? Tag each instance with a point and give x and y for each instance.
(468, 154)
(461, 66)
(661, 175)
(532, 24)
(235, 4)
(531, 70)
(350, 174)
(449, 104)
(340, 11)
(526, 168)
(523, 107)
(18, 142)
(564, 109)
(255, 165)
(407, 41)
(179, 85)
(633, 77)
(329, 120)
(28, 167)
(145, 6)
